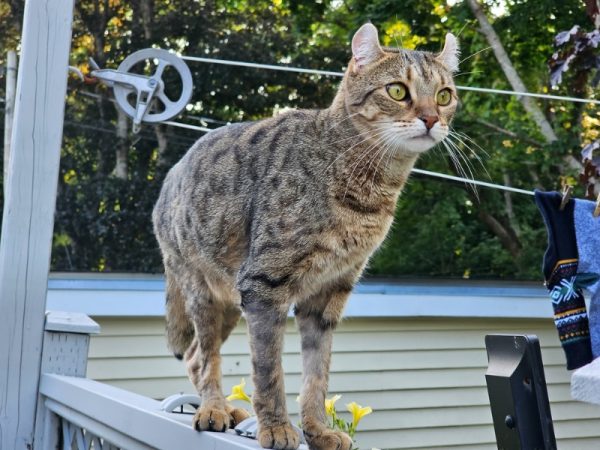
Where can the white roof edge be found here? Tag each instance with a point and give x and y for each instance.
(133, 303)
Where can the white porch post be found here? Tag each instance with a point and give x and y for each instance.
(9, 109)
(28, 217)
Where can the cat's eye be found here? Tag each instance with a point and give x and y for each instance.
(444, 97)
(397, 91)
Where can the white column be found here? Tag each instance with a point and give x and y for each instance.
(9, 109)
(28, 218)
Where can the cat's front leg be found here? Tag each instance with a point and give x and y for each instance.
(266, 316)
(317, 318)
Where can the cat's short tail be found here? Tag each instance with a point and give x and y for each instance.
(180, 331)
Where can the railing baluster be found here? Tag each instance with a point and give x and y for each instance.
(67, 439)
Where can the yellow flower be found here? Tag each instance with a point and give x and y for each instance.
(237, 392)
(330, 404)
(358, 412)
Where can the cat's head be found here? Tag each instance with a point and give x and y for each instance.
(404, 98)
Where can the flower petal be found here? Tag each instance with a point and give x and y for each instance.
(358, 412)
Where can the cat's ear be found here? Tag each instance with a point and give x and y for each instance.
(365, 46)
(449, 55)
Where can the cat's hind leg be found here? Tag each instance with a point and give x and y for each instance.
(179, 328)
(206, 310)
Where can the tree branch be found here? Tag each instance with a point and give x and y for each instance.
(511, 74)
(509, 133)
(507, 239)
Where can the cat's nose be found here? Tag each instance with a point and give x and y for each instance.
(429, 121)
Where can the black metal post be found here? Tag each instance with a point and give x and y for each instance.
(518, 395)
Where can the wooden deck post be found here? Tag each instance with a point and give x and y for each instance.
(9, 109)
(28, 216)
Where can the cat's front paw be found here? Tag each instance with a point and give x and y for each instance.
(326, 439)
(211, 419)
(279, 437)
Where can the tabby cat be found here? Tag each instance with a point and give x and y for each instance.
(259, 216)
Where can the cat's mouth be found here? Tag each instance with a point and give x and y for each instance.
(425, 137)
(421, 143)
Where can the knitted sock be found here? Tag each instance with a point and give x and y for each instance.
(564, 280)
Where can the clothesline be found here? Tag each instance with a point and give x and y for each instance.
(475, 182)
(418, 171)
(340, 74)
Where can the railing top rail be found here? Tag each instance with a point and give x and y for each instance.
(90, 404)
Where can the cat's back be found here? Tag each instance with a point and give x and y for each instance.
(209, 196)
(240, 154)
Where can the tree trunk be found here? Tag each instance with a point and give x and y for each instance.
(511, 74)
(161, 137)
(509, 208)
(122, 145)
(508, 240)
(508, 235)
(147, 7)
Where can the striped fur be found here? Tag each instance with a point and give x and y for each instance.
(285, 211)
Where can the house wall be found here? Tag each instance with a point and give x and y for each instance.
(423, 377)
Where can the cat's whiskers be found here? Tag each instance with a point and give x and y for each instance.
(381, 151)
(366, 153)
(342, 121)
(463, 28)
(462, 157)
(370, 159)
(453, 157)
(393, 141)
(471, 151)
(389, 130)
(474, 54)
(460, 74)
(464, 140)
(467, 137)
(458, 166)
(450, 152)
(371, 134)
(396, 40)
(388, 147)
(390, 155)
(337, 141)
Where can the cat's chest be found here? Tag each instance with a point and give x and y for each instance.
(342, 251)
(362, 223)
(350, 243)
(360, 236)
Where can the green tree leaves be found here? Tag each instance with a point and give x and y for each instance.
(441, 229)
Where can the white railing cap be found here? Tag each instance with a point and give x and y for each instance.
(70, 322)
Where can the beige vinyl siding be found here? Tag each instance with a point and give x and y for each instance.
(424, 378)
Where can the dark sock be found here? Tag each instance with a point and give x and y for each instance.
(564, 280)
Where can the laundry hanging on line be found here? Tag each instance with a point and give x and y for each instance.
(570, 265)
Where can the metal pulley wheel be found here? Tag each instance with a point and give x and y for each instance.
(141, 96)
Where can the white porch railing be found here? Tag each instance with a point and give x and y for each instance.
(76, 413)
(95, 415)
